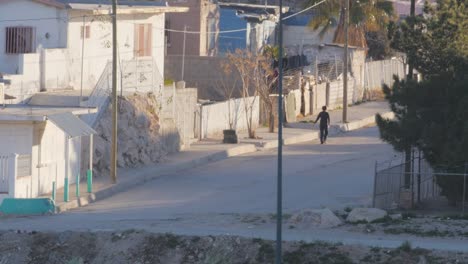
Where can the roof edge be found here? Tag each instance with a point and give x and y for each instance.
(52, 3)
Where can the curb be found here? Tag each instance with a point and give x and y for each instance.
(362, 123)
(145, 176)
(148, 175)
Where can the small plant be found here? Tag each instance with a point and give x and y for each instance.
(406, 247)
(76, 260)
(168, 82)
(348, 209)
(407, 216)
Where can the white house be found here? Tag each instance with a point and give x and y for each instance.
(40, 147)
(48, 45)
(66, 44)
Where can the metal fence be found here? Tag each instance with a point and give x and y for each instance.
(377, 73)
(416, 184)
(4, 174)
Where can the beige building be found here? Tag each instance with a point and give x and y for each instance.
(203, 16)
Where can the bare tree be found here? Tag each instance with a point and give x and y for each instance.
(265, 79)
(229, 87)
(258, 79)
(246, 64)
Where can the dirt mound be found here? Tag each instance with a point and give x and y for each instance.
(140, 247)
(140, 139)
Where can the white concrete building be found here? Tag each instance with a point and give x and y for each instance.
(40, 146)
(66, 44)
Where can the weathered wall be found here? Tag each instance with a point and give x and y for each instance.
(215, 117)
(57, 61)
(10, 15)
(203, 16)
(382, 72)
(204, 73)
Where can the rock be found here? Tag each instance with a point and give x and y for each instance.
(321, 218)
(142, 121)
(365, 214)
(396, 216)
(422, 260)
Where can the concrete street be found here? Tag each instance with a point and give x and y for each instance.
(220, 198)
(334, 175)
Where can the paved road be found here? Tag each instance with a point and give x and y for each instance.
(334, 175)
(213, 200)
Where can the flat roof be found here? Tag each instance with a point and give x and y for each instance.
(71, 125)
(123, 7)
(268, 8)
(39, 113)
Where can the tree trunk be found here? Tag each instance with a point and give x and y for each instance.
(356, 34)
(271, 123)
(407, 168)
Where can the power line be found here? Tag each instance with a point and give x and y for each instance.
(305, 10)
(165, 29)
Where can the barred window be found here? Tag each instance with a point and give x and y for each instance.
(85, 32)
(20, 40)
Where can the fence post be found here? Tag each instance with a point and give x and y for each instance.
(336, 67)
(54, 191)
(419, 177)
(77, 185)
(412, 177)
(12, 172)
(464, 190)
(65, 190)
(375, 184)
(316, 70)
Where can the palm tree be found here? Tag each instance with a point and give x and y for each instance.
(364, 16)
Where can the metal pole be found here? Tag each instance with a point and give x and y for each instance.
(83, 36)
(412, 177)
(336, 67)
(183, 53)
(279, 203)
(375, 184)
(464, 190)
(113, 169)
(67, 170)
(89, 174)
(345, 61)
(419, 177)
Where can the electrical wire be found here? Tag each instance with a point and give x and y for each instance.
(304, 10)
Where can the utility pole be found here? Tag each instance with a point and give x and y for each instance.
(183, 53)
(409, 76)
(410, 63)
(345, 61)
(113, 168)
(279, 197)
(83, 36)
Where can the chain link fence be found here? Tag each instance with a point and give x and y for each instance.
(417, 185)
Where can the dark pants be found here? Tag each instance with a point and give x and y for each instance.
(323, 133)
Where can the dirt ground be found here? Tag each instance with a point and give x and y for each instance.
(133, 246)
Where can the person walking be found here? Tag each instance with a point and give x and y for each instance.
(324, 124)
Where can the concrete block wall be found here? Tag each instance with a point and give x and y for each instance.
(215, 117)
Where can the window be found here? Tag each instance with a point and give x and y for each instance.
(20, 40)
(143, 40)
(86, 32)
(167, 33)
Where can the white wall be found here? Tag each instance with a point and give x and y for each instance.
(215, 117)
(15, 138)
(46, 143)
(24, 85)
(57, 63)
(295, 37)
(98, 48)
(26, 13)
